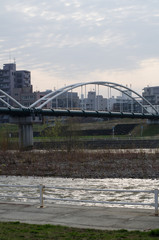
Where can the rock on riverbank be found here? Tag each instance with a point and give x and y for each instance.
(80, 164)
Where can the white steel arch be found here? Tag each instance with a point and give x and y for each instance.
(11, 98)
(50, 96)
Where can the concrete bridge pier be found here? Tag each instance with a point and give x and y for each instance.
(25, 136)
(26, 130)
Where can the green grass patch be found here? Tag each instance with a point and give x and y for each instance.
(16, 231)
(9, 127)
(151, 130)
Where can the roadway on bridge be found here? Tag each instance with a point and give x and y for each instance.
(81, 216)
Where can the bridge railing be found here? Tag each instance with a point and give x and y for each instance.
(42, 190)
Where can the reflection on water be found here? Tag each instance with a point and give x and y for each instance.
(126, 184)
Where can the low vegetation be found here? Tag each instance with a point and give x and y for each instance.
(72, 129)
(151, 130)
(17, 231)
(80, 164)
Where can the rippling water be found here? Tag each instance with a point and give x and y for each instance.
(120, 184)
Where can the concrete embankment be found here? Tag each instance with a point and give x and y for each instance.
(99, 144)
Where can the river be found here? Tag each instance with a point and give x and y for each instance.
(109, 183)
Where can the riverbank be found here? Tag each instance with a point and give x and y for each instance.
(81, 164)
(99, 143)
(79, 217)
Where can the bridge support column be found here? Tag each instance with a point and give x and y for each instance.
(25, 130)
(25, 136)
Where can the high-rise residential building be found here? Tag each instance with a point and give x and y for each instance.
(22, 79)
(16, 83)
(7, 78)
(10, 78)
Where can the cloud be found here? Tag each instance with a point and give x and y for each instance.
(27, 9)
(146, 74)
(72, 38)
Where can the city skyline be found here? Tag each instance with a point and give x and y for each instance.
(17, 84)
(66, 41)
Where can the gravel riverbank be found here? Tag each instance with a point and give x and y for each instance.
(81, 164)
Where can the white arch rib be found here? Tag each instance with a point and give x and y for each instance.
(50, 96)
(11, 98)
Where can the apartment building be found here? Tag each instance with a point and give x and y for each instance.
(38, 95)
(24, 95)
(7, 78)
(151, 94)
(67, 100)
(10, 78)
(22, 79)
(18, 85)
(93, 102)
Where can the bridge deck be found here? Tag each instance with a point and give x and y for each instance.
(33, 112)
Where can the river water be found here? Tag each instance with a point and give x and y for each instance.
(120, 184)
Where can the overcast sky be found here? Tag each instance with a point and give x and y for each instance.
(68, 41)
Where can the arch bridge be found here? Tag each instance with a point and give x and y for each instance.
(26, 116)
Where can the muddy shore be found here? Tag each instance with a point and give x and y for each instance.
(80, 164)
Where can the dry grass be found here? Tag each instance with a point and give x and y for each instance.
(80, 164)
